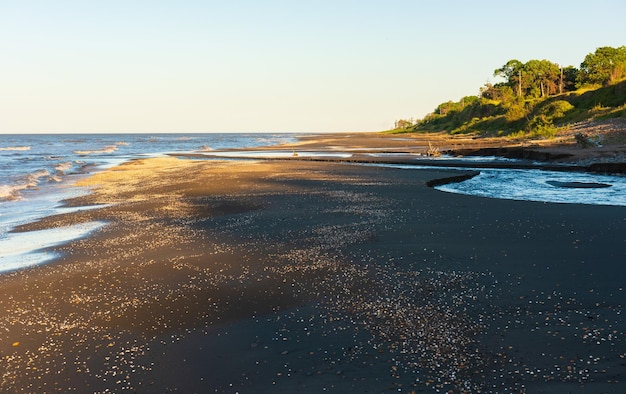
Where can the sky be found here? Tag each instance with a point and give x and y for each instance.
(85, 66)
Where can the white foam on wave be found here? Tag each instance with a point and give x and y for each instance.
(63, 167)
(9, 192)
(12, 192)
(106, 149)
(21, 250)
(15, 148)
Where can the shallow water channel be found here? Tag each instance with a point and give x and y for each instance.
(546, 186)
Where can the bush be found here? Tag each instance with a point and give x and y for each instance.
(556, 109)
(515, 112)
(542, 126)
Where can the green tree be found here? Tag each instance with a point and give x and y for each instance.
(499, 92)
(535, 78)
(542, 78)
(403, 123)
(603, 67)
(512, 72)
(570, 74)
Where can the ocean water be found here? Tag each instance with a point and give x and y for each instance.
(36, 169)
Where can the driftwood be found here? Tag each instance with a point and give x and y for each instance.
(432, 150)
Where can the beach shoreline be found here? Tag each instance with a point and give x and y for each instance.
(282, 275)
(562, 153)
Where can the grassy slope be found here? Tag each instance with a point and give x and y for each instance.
(529, 118)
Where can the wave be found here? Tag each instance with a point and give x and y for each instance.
(33, 178)
(30, 181)
(63, 167)
(9, 192)
(106, 149)
(15, 148)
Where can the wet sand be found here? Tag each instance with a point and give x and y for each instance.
(295, 275)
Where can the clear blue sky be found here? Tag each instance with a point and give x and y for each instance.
(271, 65)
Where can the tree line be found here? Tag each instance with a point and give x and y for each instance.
(535, 97)
(542, 78)
(525, 99)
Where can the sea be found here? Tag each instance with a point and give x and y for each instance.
(37, 170)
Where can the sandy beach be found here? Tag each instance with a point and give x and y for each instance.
(293, 275)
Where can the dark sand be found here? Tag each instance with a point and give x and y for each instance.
(302, 276)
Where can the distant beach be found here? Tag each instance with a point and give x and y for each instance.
(311, 274)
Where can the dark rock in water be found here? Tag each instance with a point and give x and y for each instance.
(452, 179)
(578, 185)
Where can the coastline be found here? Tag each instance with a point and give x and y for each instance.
(277, 275)
(560, 154)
